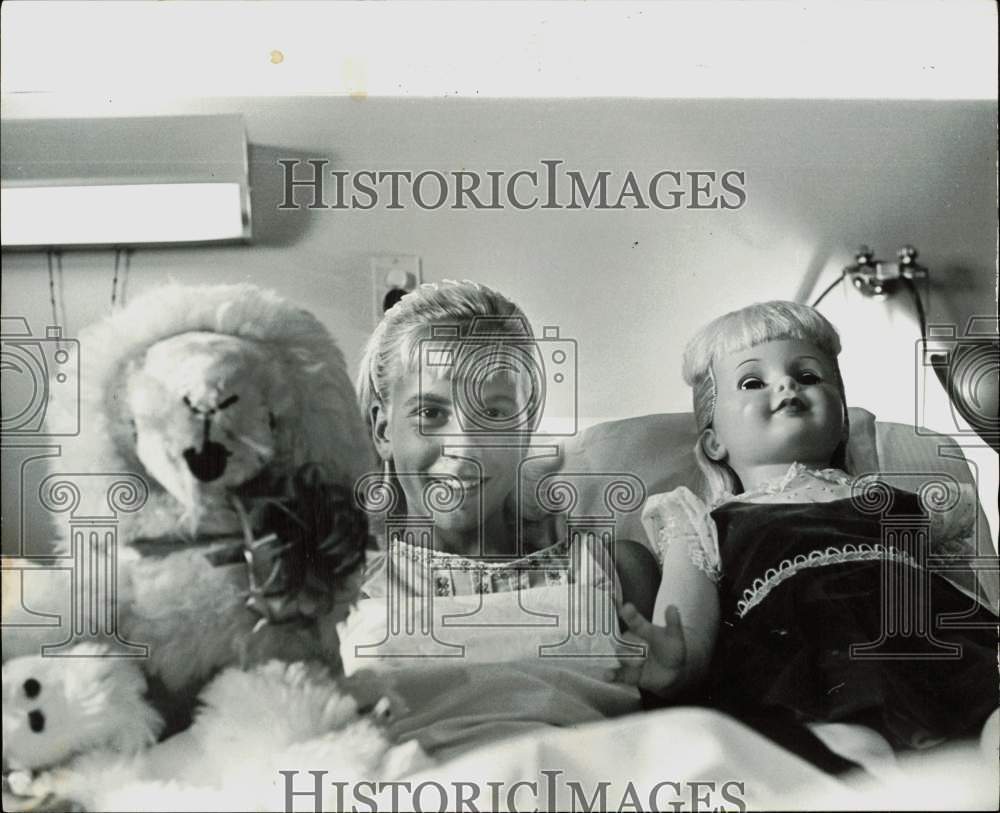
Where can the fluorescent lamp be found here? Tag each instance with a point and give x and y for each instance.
(121, 214)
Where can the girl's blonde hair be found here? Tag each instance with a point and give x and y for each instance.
(393, 350)
(466, 309)
(739, 330)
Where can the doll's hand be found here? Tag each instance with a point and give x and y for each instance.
(666, 652)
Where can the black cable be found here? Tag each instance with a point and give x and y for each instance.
(918, 303)
(829, 288)
(62, 290)
(52, 288)
(936, 359)
(123, 294)
(114, 279)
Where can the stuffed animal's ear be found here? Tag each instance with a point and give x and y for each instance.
(381, 433)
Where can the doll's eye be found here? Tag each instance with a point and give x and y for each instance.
(751, 382)
(32, 688)
(808, 377)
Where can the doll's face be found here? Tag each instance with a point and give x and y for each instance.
(777, 402)
(423, 431)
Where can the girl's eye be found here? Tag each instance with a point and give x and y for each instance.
(431, 415)
(751, 382)
(808, 377)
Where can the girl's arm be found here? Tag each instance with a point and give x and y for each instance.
(681, 637)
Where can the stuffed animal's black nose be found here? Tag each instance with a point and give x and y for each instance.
(208, 463)
(36, 721)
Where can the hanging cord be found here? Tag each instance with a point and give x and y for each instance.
(57, 295)
(123, 295)
(829, 288)
(911, 286)
(64, 322)
(114, 278)
(52, 287)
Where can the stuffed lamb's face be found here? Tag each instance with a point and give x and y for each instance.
(205, 408)
(55, 707)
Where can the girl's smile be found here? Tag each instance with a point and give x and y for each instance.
(435, 444)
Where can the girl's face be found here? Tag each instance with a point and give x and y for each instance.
(777, 402)
(425, 432)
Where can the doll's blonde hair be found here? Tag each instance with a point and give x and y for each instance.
(739, 330)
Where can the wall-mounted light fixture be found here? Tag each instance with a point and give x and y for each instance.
(124, 182)
(967, 364)
(875, 277)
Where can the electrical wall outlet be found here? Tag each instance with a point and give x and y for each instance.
(392, 276)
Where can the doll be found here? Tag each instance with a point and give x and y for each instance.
(774, 596)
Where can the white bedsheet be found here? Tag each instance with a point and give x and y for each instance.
(685, 759)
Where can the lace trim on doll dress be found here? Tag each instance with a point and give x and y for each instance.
(679, 515)
(787, 568)
(811, 485)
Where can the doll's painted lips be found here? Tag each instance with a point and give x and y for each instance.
(792, 406)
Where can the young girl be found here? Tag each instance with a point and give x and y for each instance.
(775, 590)
(446, 386)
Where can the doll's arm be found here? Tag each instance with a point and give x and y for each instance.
(685, 618)
(681, 636)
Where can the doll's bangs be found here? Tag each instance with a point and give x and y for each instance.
(755, 325)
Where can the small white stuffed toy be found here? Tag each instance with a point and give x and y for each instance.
(90, 724)
(235, 409)
(53, 705)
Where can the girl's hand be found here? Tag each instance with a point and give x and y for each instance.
(666, 653)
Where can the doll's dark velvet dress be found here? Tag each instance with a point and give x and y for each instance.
(833, 612)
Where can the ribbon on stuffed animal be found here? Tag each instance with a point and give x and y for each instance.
(298, 546)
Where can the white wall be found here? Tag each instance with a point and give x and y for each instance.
(629, 286)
